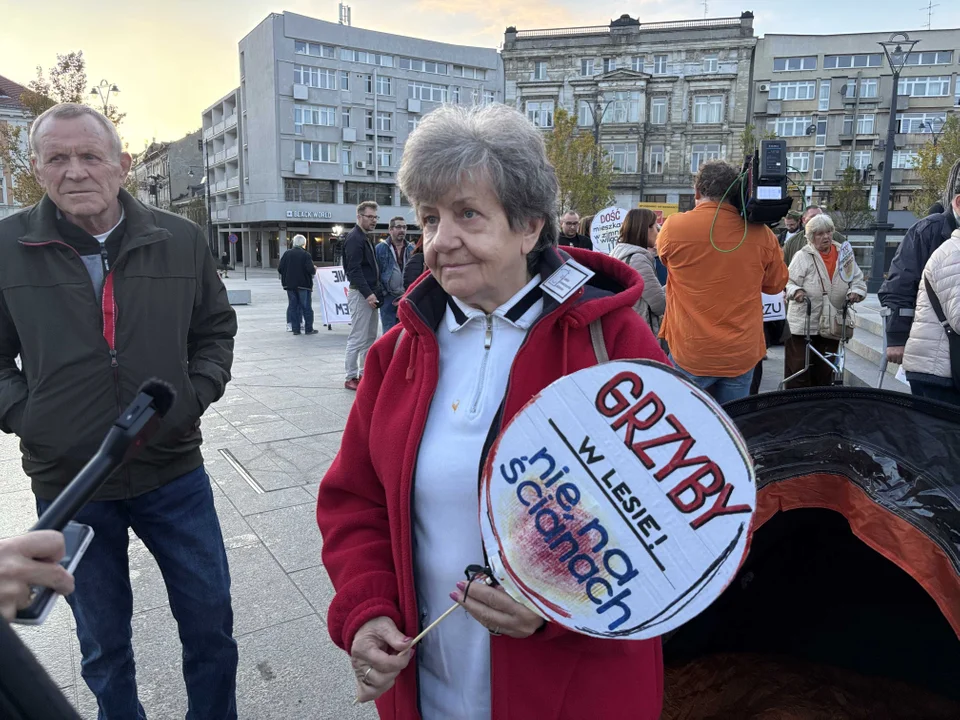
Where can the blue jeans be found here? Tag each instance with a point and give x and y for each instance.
(178, 523)
(388, 312)
(300, 310)
(721, 389)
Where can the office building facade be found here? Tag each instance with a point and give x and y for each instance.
(318, 124)
(12, 114)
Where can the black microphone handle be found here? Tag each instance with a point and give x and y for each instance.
(75, 495)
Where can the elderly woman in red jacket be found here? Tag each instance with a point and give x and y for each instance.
(479, 336)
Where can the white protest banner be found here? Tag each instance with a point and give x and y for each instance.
(333, 287)
(846, 262)
(605, 228)
(618, 503)
(774, 307)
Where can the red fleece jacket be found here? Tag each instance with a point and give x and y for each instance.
(364, 504)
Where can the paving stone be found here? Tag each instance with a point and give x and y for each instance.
(270, 431)
(291, 534)
(243, 415)
(315, 585)
(50, 644)
(12, 478)
(314, 419)
(263, 595)
(249, 502)
(278, 398)
(18, 512)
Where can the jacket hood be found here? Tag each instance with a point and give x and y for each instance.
(614, 285)
(624, 251)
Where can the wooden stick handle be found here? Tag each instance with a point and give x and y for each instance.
(432, 625)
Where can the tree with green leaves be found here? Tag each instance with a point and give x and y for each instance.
(584, 171)
(751, 136)
(932, 165)
(66, 81)
(850, 205)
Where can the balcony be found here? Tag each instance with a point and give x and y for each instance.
(222, 214)
(218, 128)
(231, 152)
(220, 157)
(230, 121)
(220, 186)
(233, 182)
(208, 133)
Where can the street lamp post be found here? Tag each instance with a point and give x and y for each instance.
(897, 49)
(936, 133)
(103, 91)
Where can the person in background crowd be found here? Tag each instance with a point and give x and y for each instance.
(393, 254)
(899, 291)
(415, 266)
(585, 223)
(791, 226)
(815, 274)
(398, 535)
(928, 358)
(366, 291)
(799, 241)
(129, 292)
(569, 235)
(225, 263)
(638, 237)
(718, 269)
(297, 271)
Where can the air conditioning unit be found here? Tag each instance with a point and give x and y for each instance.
(300, 92)
(301, 167)
(360, 164)
(763, 87)
(413, 105)
(349, 134)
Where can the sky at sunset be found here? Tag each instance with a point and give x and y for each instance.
(173, 58)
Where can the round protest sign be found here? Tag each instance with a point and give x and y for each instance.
(847, 262)
(605, 228)
(618, 502)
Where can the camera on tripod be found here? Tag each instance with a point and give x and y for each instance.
(764, 175)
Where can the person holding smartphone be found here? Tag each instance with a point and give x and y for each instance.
(28, 560)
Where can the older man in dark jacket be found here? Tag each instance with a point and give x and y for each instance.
(296, 275)
(899, 291)
(99, 292)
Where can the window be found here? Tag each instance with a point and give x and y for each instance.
(868, 88)
(308, 48)
(489, 97)
(455, 94)
(355, 193)
(821, 132)
(370, 156)
(346, 166)
(584, 113)
(469, 72)
(708, 109)
(412, 122)
(540, 113)
(937, 86)
(823, 102)
(865, 124)
(426, 91)
(384, 85)
(636, 63)
(539, 69)
(316, 191)
(384, 121)
(313, 115)
(658, 156)
(818, 165)
(790, 126)
(624, 156)
(799, 90)
(920, 122)
(861, 160)
(609, 64)
(660, 64)
(426, 66)
(586, 67)
(316, 151)
(625, 108)
(658, 111)
(904, 159)
(711, 64)
(385, 157)
(702, 152)
(344, 80)
(790, 64)
(798, 162)
(369, 58)
(368, 119)
(345, 117)
(943, 57)
(833, 62)
(315, 77)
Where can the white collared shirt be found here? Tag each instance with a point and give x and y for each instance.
(476, 354)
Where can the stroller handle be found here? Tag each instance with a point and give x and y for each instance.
(809, 306)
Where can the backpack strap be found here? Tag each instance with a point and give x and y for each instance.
(599, 344)
(399, 338)
(953, 339)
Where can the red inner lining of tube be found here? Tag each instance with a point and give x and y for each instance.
(894, 538)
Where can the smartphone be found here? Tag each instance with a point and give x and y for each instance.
(77, 537)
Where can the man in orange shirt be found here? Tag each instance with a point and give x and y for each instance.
(717, 270)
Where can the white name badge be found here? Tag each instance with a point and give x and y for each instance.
(618, 503)
(566, 280)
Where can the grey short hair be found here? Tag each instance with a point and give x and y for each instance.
(299, 241)
(68, 111)
(820, 223)
(492, 142)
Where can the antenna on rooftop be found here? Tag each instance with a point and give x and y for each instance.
(705, 8)
(345, 14)
(929, 8)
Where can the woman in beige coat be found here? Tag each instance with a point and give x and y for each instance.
(815, 274)
(638, 237)
(926, 358)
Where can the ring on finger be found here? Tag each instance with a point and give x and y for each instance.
(495, 631)
(363, 678)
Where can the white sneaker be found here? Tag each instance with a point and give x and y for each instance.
(289, 327)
